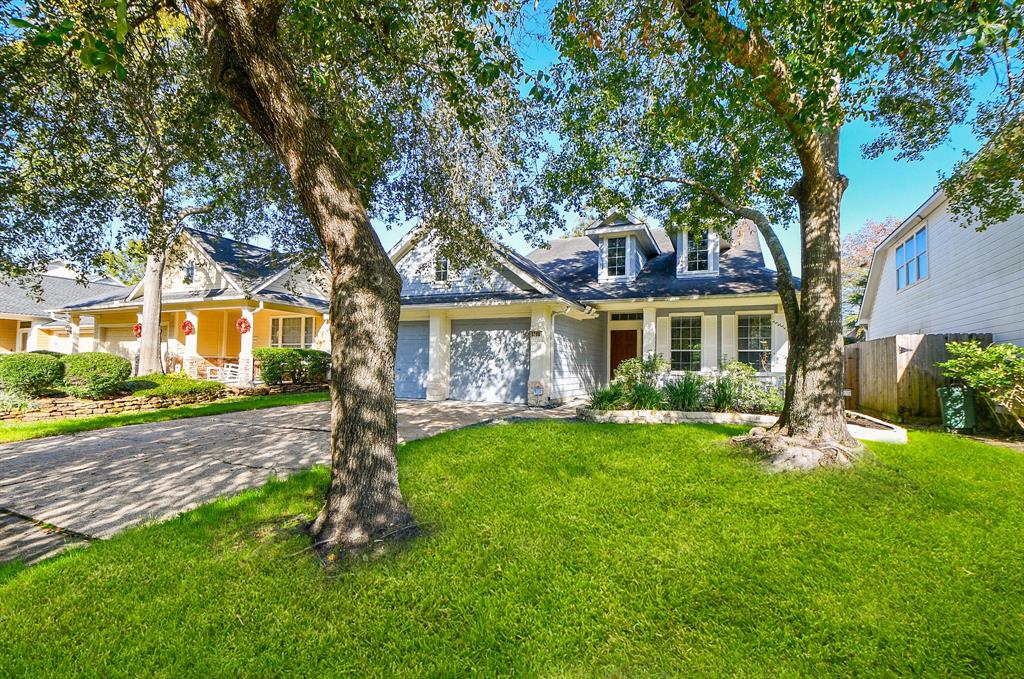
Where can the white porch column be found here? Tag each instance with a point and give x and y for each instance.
(245, 365)
(650, 332)
(32, 340)
(76, 332)
(439, 356)
(191, 357)
(538, 390)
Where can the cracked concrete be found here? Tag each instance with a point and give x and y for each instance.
(98, 483)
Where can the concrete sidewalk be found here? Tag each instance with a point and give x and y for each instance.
(95, 484)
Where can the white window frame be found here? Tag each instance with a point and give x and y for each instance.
(707, 253)
(441, 263)
(277, 341)
(608, 257)
(902, 270)
(699, 347)
(762, 369)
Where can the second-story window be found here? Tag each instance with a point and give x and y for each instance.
(912, 259)
(441, 270)
(190, 271)
(697, 258)
(616, 256)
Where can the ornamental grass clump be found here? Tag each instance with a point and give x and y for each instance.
(645, 397)
(30, 374)
(611, 398)
(685, 392)
(95, 375)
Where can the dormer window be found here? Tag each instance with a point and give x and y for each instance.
(617, 256)
(698, 253)
(441, 270)
(697, 258)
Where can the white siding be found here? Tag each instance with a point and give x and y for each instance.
(417, 271)
(579, 356)
(975, 283)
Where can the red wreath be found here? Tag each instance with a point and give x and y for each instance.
(137, 329)
(188, 327)
(243, 325)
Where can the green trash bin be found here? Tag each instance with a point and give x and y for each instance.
(958, 408)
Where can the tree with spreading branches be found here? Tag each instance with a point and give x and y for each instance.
(705, 112)
(405, 109)
(92, 159)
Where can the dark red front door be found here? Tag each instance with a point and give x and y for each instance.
(623, 346)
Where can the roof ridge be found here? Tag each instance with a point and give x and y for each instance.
(234, 240)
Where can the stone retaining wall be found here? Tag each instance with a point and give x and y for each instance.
(673, 417)
(59, 408)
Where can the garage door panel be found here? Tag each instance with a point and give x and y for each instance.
(490, 360)
(412, 358)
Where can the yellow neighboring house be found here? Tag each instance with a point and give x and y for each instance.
(26, 323)
(221, 299)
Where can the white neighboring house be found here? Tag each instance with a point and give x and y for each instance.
(933, 276)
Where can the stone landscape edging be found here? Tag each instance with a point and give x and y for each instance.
(70, 407)
(892, 433)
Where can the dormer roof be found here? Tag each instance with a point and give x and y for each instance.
(616, 224)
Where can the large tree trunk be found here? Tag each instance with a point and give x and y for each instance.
(150, 360)
(364, 503)
(814, 407)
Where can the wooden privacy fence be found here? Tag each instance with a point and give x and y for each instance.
(896, 377)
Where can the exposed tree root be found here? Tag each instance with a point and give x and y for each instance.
(794, 453)
(362, 541)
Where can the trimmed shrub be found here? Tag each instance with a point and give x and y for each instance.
(645, 397)
(684, 393)
(94, 374)
(995, 372)
(172, 385)
(299, 366)
(314, 365)
(612, 398)
(30, 374)
(47, 352)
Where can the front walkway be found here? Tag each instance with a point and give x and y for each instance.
(95, 484)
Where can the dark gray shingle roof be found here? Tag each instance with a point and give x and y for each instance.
(57, 292)
(573, 264)
(250, 265)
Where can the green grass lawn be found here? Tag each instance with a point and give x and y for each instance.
(565, 549)
(20, 431)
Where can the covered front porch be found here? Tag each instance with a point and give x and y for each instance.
(211, 340)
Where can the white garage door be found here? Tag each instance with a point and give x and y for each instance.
(490, 360)
(412, 359)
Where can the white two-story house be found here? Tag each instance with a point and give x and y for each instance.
(933, 276)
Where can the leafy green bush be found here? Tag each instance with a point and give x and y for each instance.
(752, 394)
(639, 370)
(995, 372)
(645, 397)
(314, 365)
(299, 366)
(612, 398)
(30, 374)
(94, 374)
(172, 385)
(10, 402)
(685, 392)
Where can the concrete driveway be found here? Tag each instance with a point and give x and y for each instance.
(94, 484)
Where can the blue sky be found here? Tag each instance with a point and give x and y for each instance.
(878, 188)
